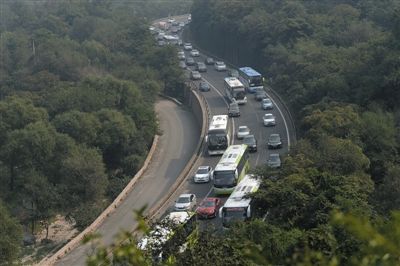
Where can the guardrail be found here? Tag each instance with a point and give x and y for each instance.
(230, 64)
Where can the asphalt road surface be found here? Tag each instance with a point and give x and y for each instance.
(176, 146)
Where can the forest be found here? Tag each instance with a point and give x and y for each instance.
(78, 84)
(336, 199)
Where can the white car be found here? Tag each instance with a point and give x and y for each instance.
(274, 160)
(242, 132)
(185, 202)
(266, 104)
(187, 46)
(220, 66)
(181, 55)
(194, 53)
(269, 120)
(203, 174)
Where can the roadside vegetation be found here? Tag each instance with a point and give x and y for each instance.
(336, 199)
(77, 90)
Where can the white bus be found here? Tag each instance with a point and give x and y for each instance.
(169, 235)
(238, 206)
(251, 79)
(230, 170)
(235, 90)
(218, 135)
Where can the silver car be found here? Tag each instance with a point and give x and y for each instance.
(242, 132)
(194, 53)
(269, 120)
(195, 75)
(220, 66)
(267, 104)
(274, 160)
(274, 141)
(185, 202)
(187, 46)
(203, 174)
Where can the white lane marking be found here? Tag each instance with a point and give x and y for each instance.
(284, 120)
(227, 104)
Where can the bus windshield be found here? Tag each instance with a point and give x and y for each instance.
(217, 140)
(233, 214)
(239, 95)
(224, 179)
(255, 81)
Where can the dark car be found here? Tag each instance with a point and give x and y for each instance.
(274, 141)
(209, 61)
(203, 86)
(260, 95)
(233, 109)
(201, 67)
(208, 208)
(251, 142)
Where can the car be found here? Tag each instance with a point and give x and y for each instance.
(195, 75)
(204, 86)
(274, 141)
(209, 61)
(180, 43)
(220, 66)
(194, 53)
(181, 55)
(181, 24)
(260, 95)
(203, 174)
(175, 23)
(160, 37)
(267, 104)
(185, 202)
(190, 61)
(234, 73)
(233, 109)
(201, 67)
(269, 120)
(171, 20)
(182, 65)
(174, 30)
(187, 46)
(274, 160)
(208, 208)
(242, 132)
(251, 142)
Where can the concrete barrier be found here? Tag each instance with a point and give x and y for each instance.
(76, 241)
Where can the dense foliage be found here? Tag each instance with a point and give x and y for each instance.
(336, 63)
(78, 84)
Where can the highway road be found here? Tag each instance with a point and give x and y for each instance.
(176, 146)
(251, 116)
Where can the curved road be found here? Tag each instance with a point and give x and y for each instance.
(251, 116)
(180, 135)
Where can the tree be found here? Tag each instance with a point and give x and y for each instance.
(11, 237)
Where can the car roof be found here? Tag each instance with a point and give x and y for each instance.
(203, 167)
(274, 135)
(243, 127)
(219, 62)
(249, 136)
(268, 114)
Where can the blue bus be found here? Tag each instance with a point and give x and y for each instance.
(251, 79)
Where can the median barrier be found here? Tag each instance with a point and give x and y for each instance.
(76, 241)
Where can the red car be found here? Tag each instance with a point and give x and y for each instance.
(208, 208)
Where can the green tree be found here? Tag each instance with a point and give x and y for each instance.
(11, 237)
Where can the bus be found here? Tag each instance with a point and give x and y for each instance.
(169, 236)
(251, 79)
(238, 206)
(232, 167)
(235, 90)
(218, 135)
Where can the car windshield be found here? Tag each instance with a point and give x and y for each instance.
(266, 100)
(208, 203)
(183, 200)
(274, 158)
(202, 171)
(249, 140)
(274, 138)
(268, 116)
(243, 129)
(220, 63)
